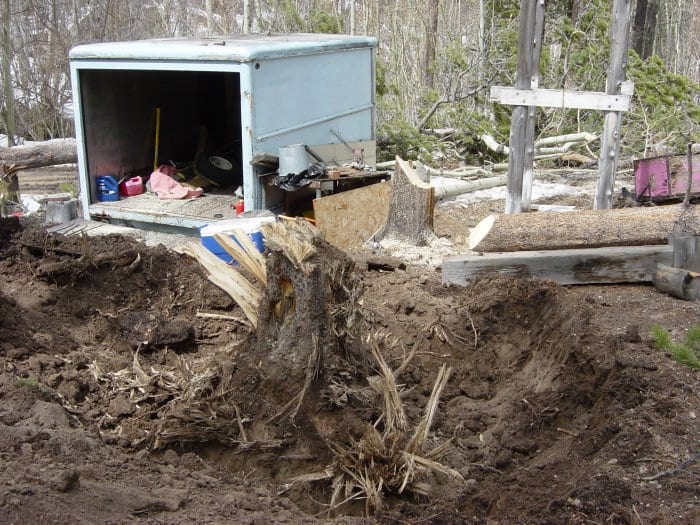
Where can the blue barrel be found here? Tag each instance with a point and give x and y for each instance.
(107, 188)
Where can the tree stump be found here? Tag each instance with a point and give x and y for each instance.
(308, 311)
(411, 207)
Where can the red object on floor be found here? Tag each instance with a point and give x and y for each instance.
(131, 187)
(240, 208)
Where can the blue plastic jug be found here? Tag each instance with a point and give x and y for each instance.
(107, 188)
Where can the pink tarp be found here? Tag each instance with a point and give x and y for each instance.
(166, 187)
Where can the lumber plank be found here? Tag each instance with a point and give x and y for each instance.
(576, 266)
(560, 98)
(581, 229)
(348, 219)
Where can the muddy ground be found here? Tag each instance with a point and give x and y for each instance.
(119, 404)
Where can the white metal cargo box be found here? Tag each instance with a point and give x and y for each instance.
(216, 103)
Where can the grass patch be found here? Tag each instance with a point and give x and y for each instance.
(68, 187)
(28, 382)
(686, 353)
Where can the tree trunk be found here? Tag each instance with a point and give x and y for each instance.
(430, 42)
(581, 229)
(6, 78)
(49, 153)
(644, 27)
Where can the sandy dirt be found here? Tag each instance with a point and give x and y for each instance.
(119, 404)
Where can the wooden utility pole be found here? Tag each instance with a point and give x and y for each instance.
(529, 46)
(532, 110)
(526, 96)
(610, 142)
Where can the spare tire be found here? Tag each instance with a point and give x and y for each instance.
(220, 170)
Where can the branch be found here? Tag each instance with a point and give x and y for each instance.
(454, 98)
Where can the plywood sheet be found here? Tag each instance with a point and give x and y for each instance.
(348, 219)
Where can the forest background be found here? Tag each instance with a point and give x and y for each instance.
(435, 64)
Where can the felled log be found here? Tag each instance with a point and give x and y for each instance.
(580, 229)
(677, 282)
(411, 207)
(49, 153)
(451, 188)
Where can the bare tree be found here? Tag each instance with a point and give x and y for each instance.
(644, 27)
(9, 119)
(431, 35)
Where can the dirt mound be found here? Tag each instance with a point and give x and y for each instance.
(113, 389)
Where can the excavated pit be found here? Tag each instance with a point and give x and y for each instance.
(555, 411)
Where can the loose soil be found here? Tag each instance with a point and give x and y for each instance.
(119, 404)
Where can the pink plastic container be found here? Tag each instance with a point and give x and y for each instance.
(131, 187)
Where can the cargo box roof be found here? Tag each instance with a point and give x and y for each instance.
(241, 48)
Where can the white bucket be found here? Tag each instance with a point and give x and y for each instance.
(293, 159)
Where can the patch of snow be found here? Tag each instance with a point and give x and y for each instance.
(539, 190)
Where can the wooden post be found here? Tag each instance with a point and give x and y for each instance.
(519, 117)
(689, 184)
(686, 252)
(610, 142)
(532, 110)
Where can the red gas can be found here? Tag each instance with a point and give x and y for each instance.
(131, 187)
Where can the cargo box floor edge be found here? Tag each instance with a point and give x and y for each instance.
(149, 211)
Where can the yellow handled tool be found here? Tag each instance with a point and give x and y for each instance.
(155, 156)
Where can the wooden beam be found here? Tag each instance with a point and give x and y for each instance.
(580, 266)
(610, 141)
(559, 98)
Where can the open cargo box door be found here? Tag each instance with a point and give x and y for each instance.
(199, 129)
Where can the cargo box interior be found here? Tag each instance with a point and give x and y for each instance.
(199, 124)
